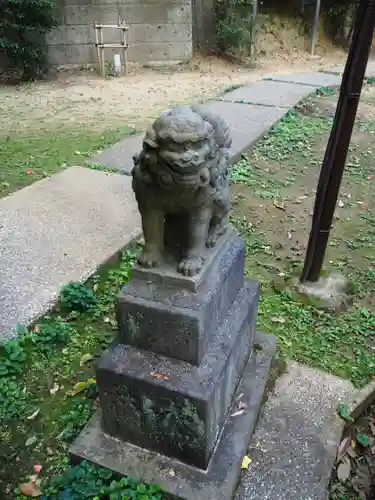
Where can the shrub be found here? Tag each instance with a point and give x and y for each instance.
(23, 26)
(77, 297)
(234, 25)
(87, 482)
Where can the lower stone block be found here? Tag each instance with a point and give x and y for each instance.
(177, 480)
(171, 406)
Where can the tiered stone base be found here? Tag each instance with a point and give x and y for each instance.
(169, 385)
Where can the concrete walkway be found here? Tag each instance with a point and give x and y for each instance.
(295, 444)
(59, 230)
(250, 111)
(62, 228)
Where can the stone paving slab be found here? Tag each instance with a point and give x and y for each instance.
(59, 230)
(120, 155)
(312, 79)
(370, 70)
(269, 93)
(295, 445)
(248, 122)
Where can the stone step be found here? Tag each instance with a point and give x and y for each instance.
(120, 155)
(295, 445)
(58, 230)
(269, 93)
(318, 79)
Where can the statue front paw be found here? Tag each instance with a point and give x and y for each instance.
(149, 257)
(190, 266)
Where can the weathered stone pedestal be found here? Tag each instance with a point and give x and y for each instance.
(181, 388)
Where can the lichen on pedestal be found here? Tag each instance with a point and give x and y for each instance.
(173, 426)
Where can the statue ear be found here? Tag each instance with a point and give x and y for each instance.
(204, 177)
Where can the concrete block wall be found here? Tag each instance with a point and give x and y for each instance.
(159, 30)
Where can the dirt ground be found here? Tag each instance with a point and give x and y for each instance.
(83, 98)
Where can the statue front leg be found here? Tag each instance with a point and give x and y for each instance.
(153, 232)
(193, 259)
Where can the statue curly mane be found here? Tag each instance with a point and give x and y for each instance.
(183, 149)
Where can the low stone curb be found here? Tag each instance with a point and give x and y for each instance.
(361, 400)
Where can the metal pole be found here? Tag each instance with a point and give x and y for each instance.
(255, 9)
(338, 144)
(315, 28)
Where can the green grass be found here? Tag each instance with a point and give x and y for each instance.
(270, 190)
(26, 158)
(39, 415)
(340, 343)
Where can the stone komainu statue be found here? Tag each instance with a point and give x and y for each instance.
(181, 183)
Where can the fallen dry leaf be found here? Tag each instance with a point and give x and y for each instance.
(278, 319)
(30, 490)
(35, 479)
(237, 413)
(343, 471)
(278, 204)
(31, 440)
(159, 376)
(343, 448)
(246, 461)
(351, 452)
(86, 358)
(33, 415)
(81, 386)
(54, 388)
(37, 468)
